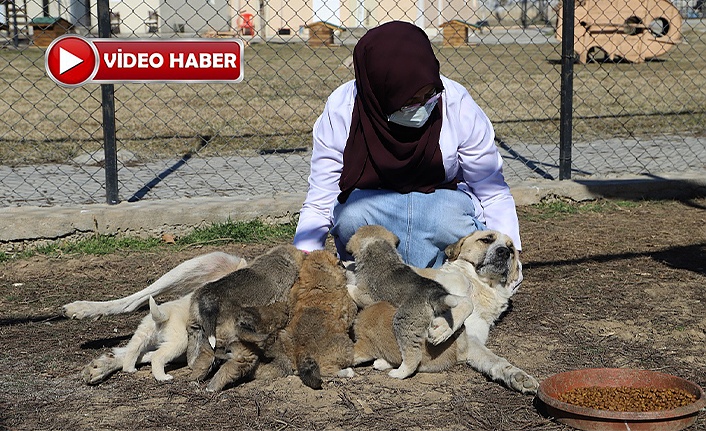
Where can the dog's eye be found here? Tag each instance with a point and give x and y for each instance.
(487, 240)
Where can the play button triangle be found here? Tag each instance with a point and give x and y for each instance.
(67, 61)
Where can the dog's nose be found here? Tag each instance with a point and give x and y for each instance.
(502, 252)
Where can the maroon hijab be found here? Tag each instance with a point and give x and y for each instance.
(392, 63)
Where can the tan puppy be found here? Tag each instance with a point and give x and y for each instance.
(267, 279)
(317, 338)
(375, 340)
(160, 338)
(381, 275)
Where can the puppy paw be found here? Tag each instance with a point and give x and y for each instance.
(200, 374)
(162, 377)
(346, 372)
(381, 365)
(215, 386)
(399, 373)
(100, 369)
(439, 331)
(130, 369)
(523, 382)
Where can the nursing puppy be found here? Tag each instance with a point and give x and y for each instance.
(483, 266)
(375, 340)
(182, 280)
(160, 338)
(381, 275)
(267, 279)
(317, 337)
(244, 339)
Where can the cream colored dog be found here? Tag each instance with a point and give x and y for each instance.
(182, 280)
(481, 266)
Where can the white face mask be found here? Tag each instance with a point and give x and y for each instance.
(415, 116)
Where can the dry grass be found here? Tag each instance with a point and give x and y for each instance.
(286, 85)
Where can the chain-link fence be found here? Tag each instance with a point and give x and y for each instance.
(633, 101)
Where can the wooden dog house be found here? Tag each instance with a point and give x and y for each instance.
(321, 33)
(630, 29)
(455, 32)
(46, 29)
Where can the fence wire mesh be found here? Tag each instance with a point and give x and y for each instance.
(639, 91)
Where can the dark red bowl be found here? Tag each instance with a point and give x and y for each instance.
(589, 419)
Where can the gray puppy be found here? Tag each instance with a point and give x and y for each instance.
(267, 279)
(381, 275)
(245, 339)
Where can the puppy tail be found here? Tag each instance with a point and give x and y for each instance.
(158, 315)
(310, 373)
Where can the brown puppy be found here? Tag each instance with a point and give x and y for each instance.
(267, 279)
(317, 339)
(381, 275)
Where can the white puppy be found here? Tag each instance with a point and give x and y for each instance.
(160, 338)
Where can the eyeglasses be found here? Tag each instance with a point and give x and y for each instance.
(409, 108)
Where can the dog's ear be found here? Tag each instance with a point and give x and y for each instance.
(394, 239)
(352, 245)
(453, 250)
(253, 337)
(516, 269)
(249, 326)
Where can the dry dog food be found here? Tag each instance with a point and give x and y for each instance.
(627, 399)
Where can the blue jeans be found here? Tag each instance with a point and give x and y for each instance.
(424, 222)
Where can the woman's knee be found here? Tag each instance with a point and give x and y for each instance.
(363, 207)
(348, 218)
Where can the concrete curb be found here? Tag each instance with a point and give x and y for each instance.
(634, 187)
(152, 218)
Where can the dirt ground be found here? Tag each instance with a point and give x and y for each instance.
(624, 286)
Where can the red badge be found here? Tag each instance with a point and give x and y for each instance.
(113, 61)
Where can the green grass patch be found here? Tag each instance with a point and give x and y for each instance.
(257, 231)
(102, 244)
(228, 232)
(251, 231)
